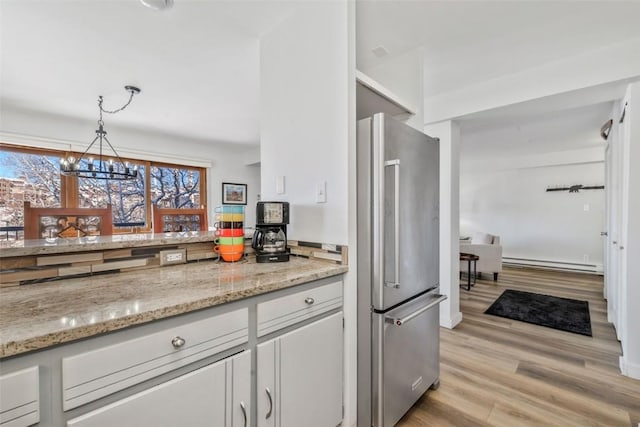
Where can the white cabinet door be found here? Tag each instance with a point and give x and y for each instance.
(208, 396)
(303, 372)
(239, 396)
(268, 370)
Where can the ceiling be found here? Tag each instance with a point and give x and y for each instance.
(536, 132)
(466, 42)
(198, 62)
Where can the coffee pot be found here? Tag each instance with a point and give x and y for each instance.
(270, 237)
(269, 240)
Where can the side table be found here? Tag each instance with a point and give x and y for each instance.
(470, 258)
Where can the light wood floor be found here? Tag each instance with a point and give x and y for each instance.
(500, 372)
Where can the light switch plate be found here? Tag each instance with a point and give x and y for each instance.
(280, 184)
(321, 192)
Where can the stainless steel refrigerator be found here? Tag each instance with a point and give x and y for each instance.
(398, 263)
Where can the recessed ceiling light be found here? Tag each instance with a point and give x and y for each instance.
(380, 51)
(157, 4)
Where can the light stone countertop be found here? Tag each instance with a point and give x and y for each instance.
(97, 243)
(40, 315)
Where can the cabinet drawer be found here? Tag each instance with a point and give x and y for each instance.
(282, 312)
(95, 374)
(19, 398)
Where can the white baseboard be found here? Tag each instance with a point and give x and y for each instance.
(452, 321)
(556, 265)
(629, 369)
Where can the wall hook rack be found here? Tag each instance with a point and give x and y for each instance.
(576, 188)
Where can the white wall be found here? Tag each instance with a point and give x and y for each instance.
(307, 130)
(304, 118)
(449, 134)
(532, 223)
(226, 163)
(403, 75)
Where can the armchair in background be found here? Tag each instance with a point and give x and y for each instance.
(488, 248)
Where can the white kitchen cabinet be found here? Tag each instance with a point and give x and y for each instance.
(19, 398)
(281, 312)
(372, 98)
(299, 376)
(215, 395)
(88, 376)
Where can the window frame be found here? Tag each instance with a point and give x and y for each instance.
(69, 197)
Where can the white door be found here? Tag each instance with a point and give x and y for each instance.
(302, 371)
(610, 252)
(268, 370)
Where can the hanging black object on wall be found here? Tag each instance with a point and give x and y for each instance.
(576, 188)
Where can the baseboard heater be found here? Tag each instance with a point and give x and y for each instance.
(558, 265)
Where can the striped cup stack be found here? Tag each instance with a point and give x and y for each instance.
(229, 231)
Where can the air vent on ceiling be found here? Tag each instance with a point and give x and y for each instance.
(380, 51)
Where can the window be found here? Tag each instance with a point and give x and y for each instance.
(175, 187)
(127, 198)
(26, 177)
(28, 174)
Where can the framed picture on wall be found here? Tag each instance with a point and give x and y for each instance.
(234, 194)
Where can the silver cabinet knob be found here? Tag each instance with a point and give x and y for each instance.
(309, 300)
(178, 342)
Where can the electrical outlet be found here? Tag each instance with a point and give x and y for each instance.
(585, 258)
(586, 207)
(173, 256)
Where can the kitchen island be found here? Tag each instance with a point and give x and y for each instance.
(88, 349)
(40, 315)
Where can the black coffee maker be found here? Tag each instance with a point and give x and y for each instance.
(270, 238)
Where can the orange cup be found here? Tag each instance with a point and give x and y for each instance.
(231, 257)
(230, 252)
(229, 232)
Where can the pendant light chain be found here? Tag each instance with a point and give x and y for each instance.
(131, 93)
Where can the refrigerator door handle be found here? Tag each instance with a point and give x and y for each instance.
(396, 224)
(399, 321)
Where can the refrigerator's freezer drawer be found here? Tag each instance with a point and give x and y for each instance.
(407, 362)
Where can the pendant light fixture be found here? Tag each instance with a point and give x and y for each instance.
(87, 167)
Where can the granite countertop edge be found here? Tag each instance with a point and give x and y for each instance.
(39, 247)
(40, 341)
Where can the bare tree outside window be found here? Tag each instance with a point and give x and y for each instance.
(127, 198)
(175, 187)
(26, 177)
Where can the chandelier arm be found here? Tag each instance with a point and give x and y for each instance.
(89, 147)
(113, 149)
